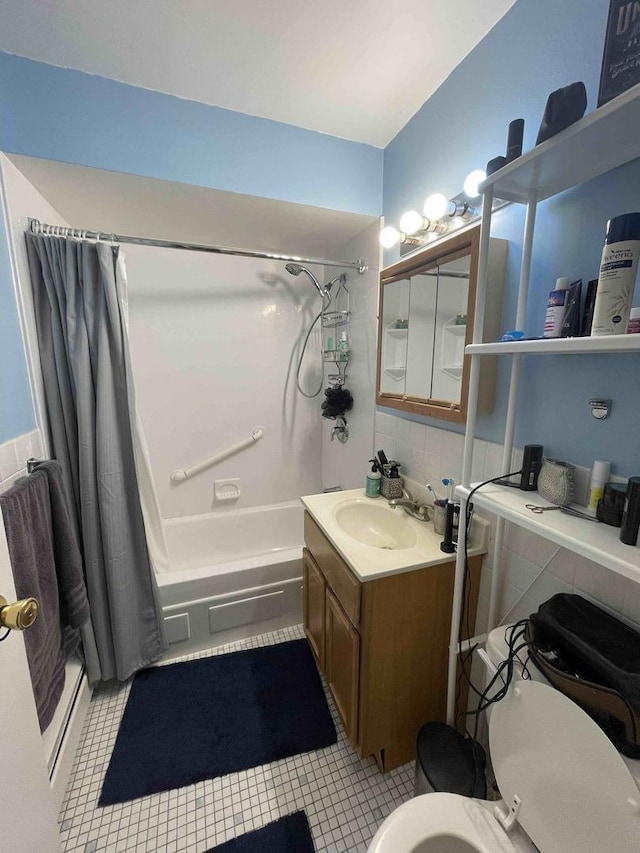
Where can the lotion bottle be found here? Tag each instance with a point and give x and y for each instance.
(617, 278)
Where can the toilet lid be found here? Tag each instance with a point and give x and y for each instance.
(576, 792)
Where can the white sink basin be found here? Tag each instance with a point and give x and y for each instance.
(377, 541)
(375, 525)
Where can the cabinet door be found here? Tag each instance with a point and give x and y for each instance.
(342, 664)
(314, 604)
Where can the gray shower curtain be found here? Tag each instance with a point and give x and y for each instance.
(84, 357)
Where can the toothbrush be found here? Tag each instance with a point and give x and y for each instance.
(449, 482)
(430, 488)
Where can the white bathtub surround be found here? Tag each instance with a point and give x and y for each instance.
(533, 569)
(214, 346)
(233, 575)
(345, 798)
(345, 465)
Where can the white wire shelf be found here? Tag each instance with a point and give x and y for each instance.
(558, 346)
(599, 142)
(598, 542)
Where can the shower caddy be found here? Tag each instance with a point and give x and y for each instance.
(593, 146)
(335, 322)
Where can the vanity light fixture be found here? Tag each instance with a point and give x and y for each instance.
(439, 216)
(390, 237)
(472, 183)
(436, 206)
(412, 222)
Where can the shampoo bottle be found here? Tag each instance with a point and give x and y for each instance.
(372, 485)
(617, 277)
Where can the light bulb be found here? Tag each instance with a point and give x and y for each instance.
(436, 206)
(411, 222)
(456, 222)
(389, 237)
(473, 181)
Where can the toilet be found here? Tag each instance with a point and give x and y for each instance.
(563, 784)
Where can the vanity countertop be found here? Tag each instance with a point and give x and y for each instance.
(370, 562)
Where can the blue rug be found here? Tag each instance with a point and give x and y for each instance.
(205, 718)
(290, 834)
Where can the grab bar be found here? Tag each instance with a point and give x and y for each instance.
(180, 476)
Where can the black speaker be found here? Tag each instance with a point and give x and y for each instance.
(531, 464)
(631, 515)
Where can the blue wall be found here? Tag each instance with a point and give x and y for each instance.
(66, 115)
(16, 406)
(537, 47)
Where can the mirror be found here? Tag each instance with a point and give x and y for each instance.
(425, 320)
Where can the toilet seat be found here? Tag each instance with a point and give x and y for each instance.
(431, 817)
(562, 781)
(574, 790)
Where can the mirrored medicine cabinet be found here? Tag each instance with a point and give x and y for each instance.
(425, 320)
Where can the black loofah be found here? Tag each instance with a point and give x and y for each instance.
(338, 401)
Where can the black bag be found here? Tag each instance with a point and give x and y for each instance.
(594, 659)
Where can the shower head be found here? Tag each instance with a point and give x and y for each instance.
(296, 269)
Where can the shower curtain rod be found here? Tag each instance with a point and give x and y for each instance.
(38, 227)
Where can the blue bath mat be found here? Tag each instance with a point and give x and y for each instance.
(204, 718)
(290, 834)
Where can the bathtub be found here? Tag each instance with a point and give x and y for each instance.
(232, 575)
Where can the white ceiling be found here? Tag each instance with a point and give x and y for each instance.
(357, 69)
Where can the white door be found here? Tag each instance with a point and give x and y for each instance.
(27, 811)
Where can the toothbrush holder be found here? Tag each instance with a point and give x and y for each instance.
(391, 487)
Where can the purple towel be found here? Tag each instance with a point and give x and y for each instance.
(26, 510)
(74, 604)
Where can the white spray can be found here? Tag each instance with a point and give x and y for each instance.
(617, 278)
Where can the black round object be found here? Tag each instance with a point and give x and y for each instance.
(338, 401)
(447, 760)
(608, 514)
(631, 515)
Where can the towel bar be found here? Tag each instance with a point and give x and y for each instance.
(180, 476)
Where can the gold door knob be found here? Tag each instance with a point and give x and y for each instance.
(20, 615)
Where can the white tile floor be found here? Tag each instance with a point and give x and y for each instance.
(344, 797)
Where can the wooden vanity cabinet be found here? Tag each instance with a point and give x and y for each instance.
(342, 664)
(382, 645)
(315, 591)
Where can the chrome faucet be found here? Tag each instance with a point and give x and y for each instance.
(415, 510)
(340, 430)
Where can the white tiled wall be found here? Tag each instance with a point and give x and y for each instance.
(534, 569)
(14, 455)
